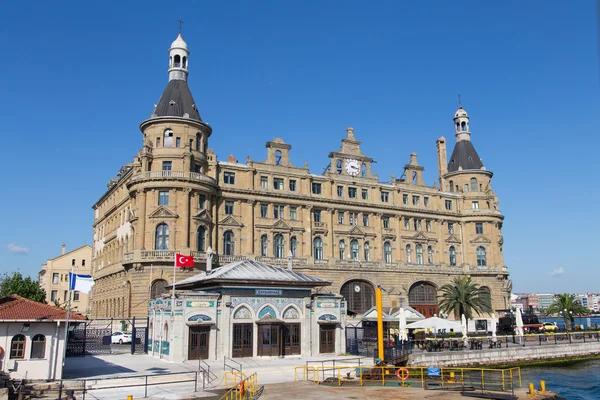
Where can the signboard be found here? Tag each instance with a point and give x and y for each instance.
(268, 292)
(327, 317)
(433, 372)
(327, 304)
(199, 318)
(199, 303)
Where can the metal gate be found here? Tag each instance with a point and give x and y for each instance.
(94, 336)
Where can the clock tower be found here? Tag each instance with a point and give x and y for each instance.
(349, 160)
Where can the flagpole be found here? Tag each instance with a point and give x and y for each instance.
(150, 284)
(67, 319)
(173, 294)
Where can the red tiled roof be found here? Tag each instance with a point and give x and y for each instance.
(19, 308)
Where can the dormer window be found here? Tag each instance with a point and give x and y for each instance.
(168, 138)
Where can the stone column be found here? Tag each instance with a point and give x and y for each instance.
(140, 240)
(215, 228)
(185, 216)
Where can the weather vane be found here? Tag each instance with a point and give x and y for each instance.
(180, 24)
(459, 103)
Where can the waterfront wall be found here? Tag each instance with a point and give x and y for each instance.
(511, 355)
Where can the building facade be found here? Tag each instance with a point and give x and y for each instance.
(54, 277)
(344, 225)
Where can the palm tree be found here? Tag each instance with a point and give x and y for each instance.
(567, 305)
(463, 296)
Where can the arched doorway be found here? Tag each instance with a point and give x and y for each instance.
(359, 295)
(422, 296)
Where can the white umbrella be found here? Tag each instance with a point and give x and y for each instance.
(402, 334)
(589, 323)
(519, 323)
(463, 321)
(435, 323)
(494, 322)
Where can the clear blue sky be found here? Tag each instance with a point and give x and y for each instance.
(77, 79)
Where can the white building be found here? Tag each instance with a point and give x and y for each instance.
(32, 338)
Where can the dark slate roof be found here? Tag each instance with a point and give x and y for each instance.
(177, 91)
(254, 271)
(465, 156)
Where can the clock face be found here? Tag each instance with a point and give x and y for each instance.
(352, 167)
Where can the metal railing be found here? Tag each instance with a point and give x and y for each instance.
(242, 387)
(164, 254)
(205, 369)
(473, 378)
(231, 364)
(86, 386)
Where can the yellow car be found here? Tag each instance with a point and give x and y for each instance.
(549, 327)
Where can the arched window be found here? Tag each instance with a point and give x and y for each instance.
(474, 186)
(452, 186)
(278, 157)
(166, 333)
(264, 242)
(161, 241)
(363, 170)
(279, 246)
(342, 250)
(387, 252)
(359, 296)
(422, 296)
(201, 238)
(168, 138)
(452, 252)
(481, 258)
(485, 298)
(198, 141)
(158, 287)
(184, 61)
(419, 249)
(463, 126)
(367, 255)
(408, 254)
(228, 243)
(354, 251)
(177, 60)
(338, 166)
(242, 313)
(294, 246)
(17, 347)
(429, 255)
(458, 126)
(318, 248)
(291, 313)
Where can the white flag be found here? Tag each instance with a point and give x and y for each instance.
(81, 283)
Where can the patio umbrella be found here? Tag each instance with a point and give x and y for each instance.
(519, 323)
(402, 335)
(589, 323)
(494, 322)
(463, 321)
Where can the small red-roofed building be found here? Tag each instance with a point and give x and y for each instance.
(32, 338)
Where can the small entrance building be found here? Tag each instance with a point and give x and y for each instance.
(247, 309)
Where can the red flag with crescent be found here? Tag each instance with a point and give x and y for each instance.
(184, 261)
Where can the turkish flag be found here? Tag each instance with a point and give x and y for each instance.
(184, 261)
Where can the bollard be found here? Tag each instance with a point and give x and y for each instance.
(531, 390)
(451, 380)
(130, 397)
(542, 386)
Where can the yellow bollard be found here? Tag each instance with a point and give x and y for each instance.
(531, 390)
(130, 397)
(451, 380)
(542, 386)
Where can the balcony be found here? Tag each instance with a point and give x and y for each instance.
(282, 261)
(159, 255)
(319, 227)
(173, 175)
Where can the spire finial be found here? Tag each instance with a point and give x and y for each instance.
(459, 103)
(180, 24)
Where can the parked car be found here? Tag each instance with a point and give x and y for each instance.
(549, 327)
(120, 337)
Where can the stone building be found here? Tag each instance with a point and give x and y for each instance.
(54, 277)
(246, 309)
(344, 225)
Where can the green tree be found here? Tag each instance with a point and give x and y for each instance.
(569, 303)
(24, 287)
(463, 296)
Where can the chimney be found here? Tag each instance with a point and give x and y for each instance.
(442, 161)
(64, 247)
(209, 256)
(231, 159)
(289, 260)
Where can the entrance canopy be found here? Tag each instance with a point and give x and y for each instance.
(435, 323)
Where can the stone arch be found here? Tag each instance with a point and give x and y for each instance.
(291, 312)
(359, 295)
(422, 296)
(242, 312)
(157, 288)
(267, 309)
